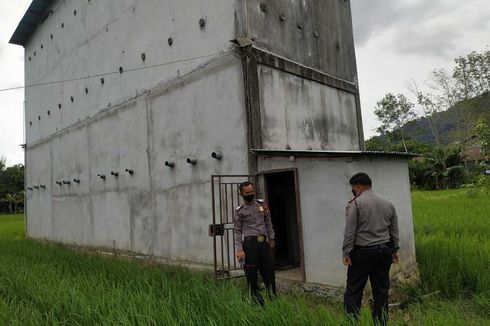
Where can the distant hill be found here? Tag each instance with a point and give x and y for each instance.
(451, 122)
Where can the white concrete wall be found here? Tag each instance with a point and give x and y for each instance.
(157, 210)
(135, 120)
(301, 114)
(324, 190)
(38, 201)
(107, 34)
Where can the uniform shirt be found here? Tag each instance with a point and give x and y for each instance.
(376, 223)
(251, 220)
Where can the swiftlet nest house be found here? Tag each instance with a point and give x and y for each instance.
(142, 118)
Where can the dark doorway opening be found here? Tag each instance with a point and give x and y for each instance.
(281, 195)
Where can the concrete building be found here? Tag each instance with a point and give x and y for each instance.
(142, 117)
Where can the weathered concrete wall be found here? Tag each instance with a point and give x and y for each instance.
(216, 122)
(157, 210)
(324, 188)
(168, 108)
(88, 38)
(315, 33)
(38, 201)
(301, 114)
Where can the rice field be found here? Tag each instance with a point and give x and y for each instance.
(47, 284)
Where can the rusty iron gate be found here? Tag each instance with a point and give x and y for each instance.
(225, 199)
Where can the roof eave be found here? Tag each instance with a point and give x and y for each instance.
(34, 15)
(327, 153)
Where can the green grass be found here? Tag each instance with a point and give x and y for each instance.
(47, 284)
(452, 233)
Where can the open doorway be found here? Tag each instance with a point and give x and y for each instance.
(281, 196)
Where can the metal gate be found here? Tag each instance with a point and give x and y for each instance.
(225, 198)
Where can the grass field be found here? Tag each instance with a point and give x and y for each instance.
(46, 284)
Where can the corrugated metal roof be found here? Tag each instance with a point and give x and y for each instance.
(35, 14)
(308, 153)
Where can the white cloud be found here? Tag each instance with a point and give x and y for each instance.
(12, 68)
(397, 41)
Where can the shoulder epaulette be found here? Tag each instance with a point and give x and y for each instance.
(260, 201)
(238, 208)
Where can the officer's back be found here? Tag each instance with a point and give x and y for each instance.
(376, 216)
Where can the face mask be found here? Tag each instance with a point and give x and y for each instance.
(249, 198)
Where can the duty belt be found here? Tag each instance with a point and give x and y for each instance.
(258, 238)
(378, 246)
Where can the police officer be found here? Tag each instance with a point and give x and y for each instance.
(371, 242)
(253, 224)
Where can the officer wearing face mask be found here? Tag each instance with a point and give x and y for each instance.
(254, 239)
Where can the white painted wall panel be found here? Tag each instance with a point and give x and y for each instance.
(324, 188)
(301, 114)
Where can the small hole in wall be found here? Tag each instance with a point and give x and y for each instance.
(202, 23)
(121, 70)
(51, 36)
(39, 117)
(59, 106)
(48, 112)
(42, 46)
(170, 41)
(30, 123)
(86, 90)
(71, 98)
(34, 53)
(74, 12)
(30, 59)
(143, 56)
(62, 25)
(102, 81)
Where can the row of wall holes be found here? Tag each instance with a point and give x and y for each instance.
(299, 26)
(170, 40)
(192, 161)
(72, 99)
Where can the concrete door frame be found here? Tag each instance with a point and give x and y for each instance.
(260, 177)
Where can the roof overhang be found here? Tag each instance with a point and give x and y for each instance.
(35, 14)
(323, 153)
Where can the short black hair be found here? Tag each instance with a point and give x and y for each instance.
(361, 178)
(245, 184)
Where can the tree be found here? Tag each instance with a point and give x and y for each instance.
(472, 78)
(472, 74)
(11, 200)
(18, 199)
(11, 180)
(3, 163)
(394, 111)
(431, 106)
(482, 130)
(445, 163)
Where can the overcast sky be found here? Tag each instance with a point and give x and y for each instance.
(396, 41)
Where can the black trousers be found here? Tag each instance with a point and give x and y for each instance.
(374, 263)
(258, 258)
